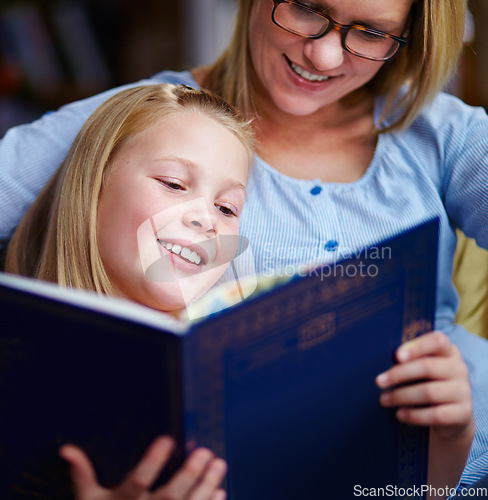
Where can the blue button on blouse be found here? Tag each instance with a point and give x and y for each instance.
(331, 246)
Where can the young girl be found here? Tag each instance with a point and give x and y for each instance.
(138, 209)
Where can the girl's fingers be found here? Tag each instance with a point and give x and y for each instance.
(219, 495)
(198, 478)
(433, 343)
(82, 472)
(210, 481)
(186, 478)
(147, 470)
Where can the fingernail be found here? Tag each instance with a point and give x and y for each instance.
(382, 379)
(219, 466)
(220, 495)
(202, 455)
(403, 354)
(401, 414)
(165, 443)
(385, 398)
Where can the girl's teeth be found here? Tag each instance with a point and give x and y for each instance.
(307, 75)
(194, 257)
(184, 252)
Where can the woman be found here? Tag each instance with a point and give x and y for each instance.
(348, 150)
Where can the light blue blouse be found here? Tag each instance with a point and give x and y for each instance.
(437, 167)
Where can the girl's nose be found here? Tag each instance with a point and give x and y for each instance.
(198, 223)
(201, 221)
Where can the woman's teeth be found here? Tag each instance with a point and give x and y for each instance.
(186, 253)
(308, 76)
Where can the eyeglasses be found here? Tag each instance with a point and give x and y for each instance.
(363, 42)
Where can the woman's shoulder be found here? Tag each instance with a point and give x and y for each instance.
(444, 120)
(175, 78)
(449, 110)
(449, 116)
(456, 128)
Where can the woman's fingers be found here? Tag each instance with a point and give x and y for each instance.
(435, 393)
(450, 417)
(430, 357)
(429, 368)
(82, 472)
(147, 470)
(433, 343)
(429, 385)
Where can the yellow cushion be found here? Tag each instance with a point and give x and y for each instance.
(470, 277)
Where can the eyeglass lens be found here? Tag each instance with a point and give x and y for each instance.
(301, 21)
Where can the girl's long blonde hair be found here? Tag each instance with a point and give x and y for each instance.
(57, 238)
(435, 42)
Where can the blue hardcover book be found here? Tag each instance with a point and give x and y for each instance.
(280, 385)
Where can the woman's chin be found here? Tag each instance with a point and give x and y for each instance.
(298, 105)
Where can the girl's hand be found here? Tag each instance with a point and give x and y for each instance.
(198, 479)
(430, 386)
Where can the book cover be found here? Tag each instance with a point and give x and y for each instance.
(281, 385)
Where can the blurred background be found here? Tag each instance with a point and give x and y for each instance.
(57, 51)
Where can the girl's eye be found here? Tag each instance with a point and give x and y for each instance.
(174, 186)
(227, 211)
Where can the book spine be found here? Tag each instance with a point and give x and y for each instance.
(180, 387)
(189, 390)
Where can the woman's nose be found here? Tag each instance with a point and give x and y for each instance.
(325, 53)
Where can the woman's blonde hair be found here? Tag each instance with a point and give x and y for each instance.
(435, 40)
(57, 238)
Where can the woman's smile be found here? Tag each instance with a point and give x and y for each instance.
(307, 75)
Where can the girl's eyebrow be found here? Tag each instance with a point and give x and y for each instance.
(177, 159)
(237, 184)
(192, 165)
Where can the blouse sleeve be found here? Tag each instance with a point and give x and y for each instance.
(465, 177)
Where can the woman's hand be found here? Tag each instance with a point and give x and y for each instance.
(430, 386)
(198, 478)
